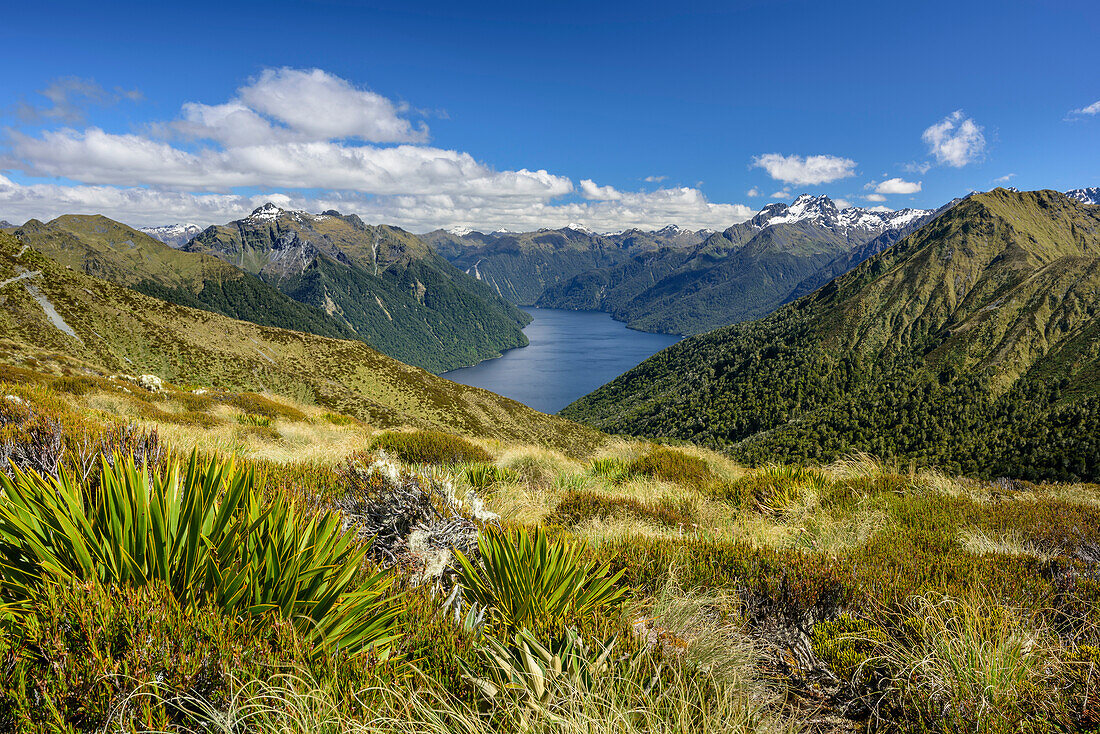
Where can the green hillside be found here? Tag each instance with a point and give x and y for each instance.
(388, 286)
(110, 250)
(742, 273)
(520, 267)
(52, 314)
(972, 344)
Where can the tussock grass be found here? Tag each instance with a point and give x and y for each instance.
(970, 665)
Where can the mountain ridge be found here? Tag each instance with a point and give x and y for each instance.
(961, 345)
(386, 284)
(100, 327)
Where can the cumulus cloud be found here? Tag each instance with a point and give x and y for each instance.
(655, 179)
(842, 203)
(753, 192)
(1092, 110)
(781, 194)
(956, 140)
(897, 186)
(1005, 178)
(314, 142)
(875, 197)
(590, 190)
(811, 170)
(69, 98)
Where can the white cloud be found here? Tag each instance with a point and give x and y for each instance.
(1092, 109)
(590, 190)
(1005, 178)
(811, 170)
(875, 197)
(897, 186)
(955, 140)
(842, 203)
(655, 179)
(418, 213)
(752, 192)
(781, 194)
(314, 141)
(922, 167)
(97, 157)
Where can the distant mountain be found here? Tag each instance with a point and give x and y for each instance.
(1086, 196)
(386, 284)
(62, 318)
(5, 224)
(745, 272)
(972, 344)
(173, 235)
(107, 249)
(521, 266)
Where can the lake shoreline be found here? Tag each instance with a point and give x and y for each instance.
(570, 354)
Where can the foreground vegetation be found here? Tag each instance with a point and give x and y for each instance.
(276, 566)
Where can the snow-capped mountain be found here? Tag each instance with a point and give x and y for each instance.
(1090, 195)
(173, 235)
(823, 211)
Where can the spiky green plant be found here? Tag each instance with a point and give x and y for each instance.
(530, 581)
(202, 529)
(527, 675)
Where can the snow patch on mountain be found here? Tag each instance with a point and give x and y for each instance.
(173, 235)
(1089, 195)
(823, 211)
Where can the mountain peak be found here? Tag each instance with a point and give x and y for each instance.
(823, 211)
(267, 211)
(1090, 195)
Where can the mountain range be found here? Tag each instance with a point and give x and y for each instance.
(57, 318)
(521, 266)
(107, 249)
(173, 235)
(972, 344)
(675, 280)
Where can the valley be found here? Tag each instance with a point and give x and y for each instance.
(541, 368)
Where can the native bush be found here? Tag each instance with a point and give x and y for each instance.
(202, 530)
(429, 447)
(577, 506)
(529, 580)
(670, 465)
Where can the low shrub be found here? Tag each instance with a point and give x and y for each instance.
(77, 385)
(777, 489)
(577, 506)
(529, 581)
(670, 465)
(613, 470)
(251, 402)
(201, 530)
(429, 447)
(483, 476)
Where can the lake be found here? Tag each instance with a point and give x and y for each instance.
(571, 354)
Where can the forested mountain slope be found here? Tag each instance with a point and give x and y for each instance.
(973, 344)
(390, 287)
(110, 250)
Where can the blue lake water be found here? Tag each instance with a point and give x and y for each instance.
(571, 354)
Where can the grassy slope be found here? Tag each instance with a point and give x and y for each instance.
(120, 330)
(917, 352)
(387, 285)
(107, 249)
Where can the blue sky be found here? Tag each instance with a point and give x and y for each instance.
(521, 115)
